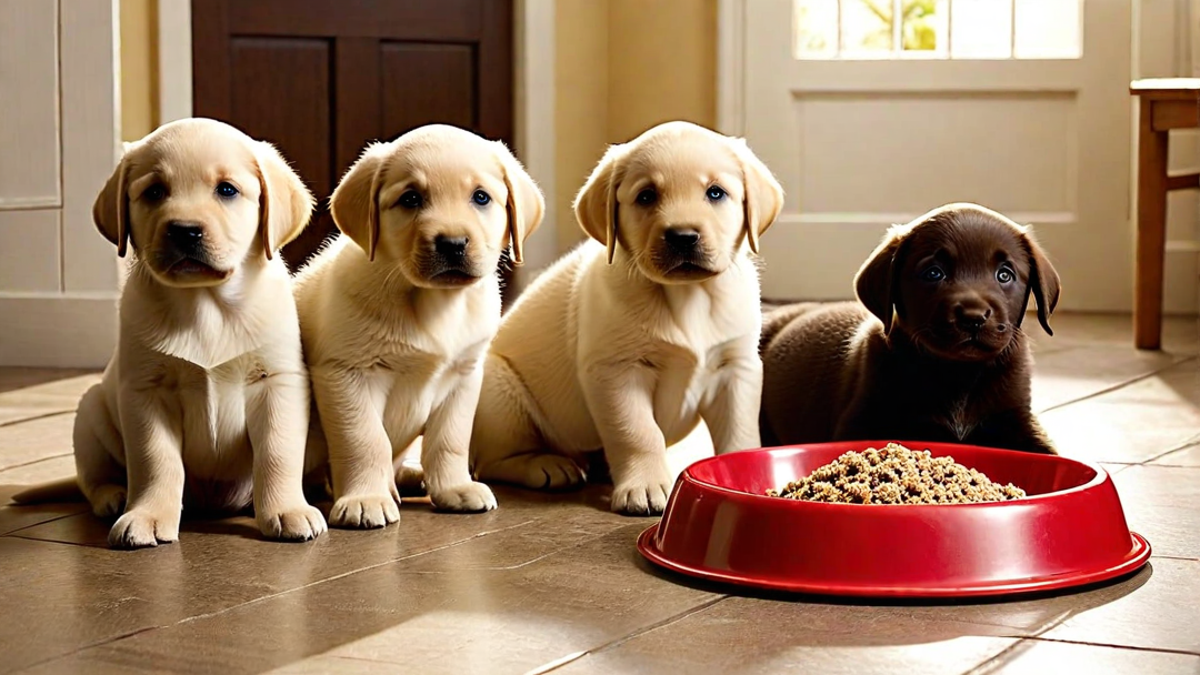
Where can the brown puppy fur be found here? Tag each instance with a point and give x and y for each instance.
(934, 352)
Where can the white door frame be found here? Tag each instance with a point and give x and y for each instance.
(74, 323)
(533, 48)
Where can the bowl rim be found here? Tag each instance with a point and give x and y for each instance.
(1133, 561)
(1101, 476)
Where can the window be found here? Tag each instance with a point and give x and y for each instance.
(937, 29)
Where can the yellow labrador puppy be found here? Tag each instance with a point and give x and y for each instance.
(629, 341)
(205, 402)
(396, 316)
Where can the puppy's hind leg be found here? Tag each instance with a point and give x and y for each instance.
(97, 446)
(410, 475)
(505, 444)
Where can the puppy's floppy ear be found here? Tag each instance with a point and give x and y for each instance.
(285, 205)
(110, 211)
(1043, 281)
(525, 206)
(875, 282)
(764, 195)
(355, 201)
(596, 204)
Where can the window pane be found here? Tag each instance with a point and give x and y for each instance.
(981, 29)
(1048, 29)
(867, 28)
(814, 28)
(925, 26)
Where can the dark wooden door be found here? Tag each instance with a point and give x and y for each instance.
(321, 78)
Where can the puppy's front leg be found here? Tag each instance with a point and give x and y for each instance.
(445, 452)
(278, 426)
(154, 466)
(731, 413)
(619, 397)
(360, 453)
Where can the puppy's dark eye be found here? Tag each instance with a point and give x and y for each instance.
(481, 198)
(227, 190)
(715, 193)
(647, 197)
(1005, 275)
(154, 193)
(411, 200)
(933, 274)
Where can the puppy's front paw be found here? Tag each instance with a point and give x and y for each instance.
(364, 512)
(641, 498)
(463, 498)
(108, 501)
(140, 528)
(300, 523)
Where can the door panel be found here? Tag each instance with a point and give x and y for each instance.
(29, 74)
(869, 129)
(322, 78)
(427, 83)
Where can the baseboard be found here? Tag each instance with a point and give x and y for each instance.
(57, 331)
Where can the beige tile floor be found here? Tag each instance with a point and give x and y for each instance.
(554, 583)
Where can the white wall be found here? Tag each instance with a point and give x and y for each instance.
(58, 276)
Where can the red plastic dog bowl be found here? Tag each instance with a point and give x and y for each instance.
(720, 526)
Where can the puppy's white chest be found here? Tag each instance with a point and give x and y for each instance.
(213, 403)
(957, 419)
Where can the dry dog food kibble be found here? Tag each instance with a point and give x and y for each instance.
(897, 475)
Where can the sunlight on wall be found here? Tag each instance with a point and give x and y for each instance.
(139, 72)
(623, 66)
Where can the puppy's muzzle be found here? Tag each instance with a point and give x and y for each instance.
(186, 238)
(452, 250)
(450, 261)
(183, 253)
(682, 241)
(971, 320)
(682, 255)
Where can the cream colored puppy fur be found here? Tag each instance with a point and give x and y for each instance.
(396, 316)
(206, 399)
(629, 341)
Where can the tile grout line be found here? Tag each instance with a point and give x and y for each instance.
(15, 533)
(1118, 386)
(986, 665)
(207, 615)
(73, 652)
(346, 574)
(1059, 620)
(1105, 645)
(1022, 642)
(616, 642)
(1190, 442)
(254, 601)
(61, 542)
(42, 416)
(34, 461)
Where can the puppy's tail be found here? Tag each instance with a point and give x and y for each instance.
(778, 318)
(64, 490)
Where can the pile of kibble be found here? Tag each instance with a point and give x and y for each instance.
(897, 475)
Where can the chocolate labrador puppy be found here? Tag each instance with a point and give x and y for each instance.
(935, 350)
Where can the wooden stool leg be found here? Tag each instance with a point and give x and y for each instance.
(1151, 232)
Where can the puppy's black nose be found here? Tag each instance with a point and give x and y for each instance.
(971, 319)
(451, 248)
(184, 235)
(681, 238)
